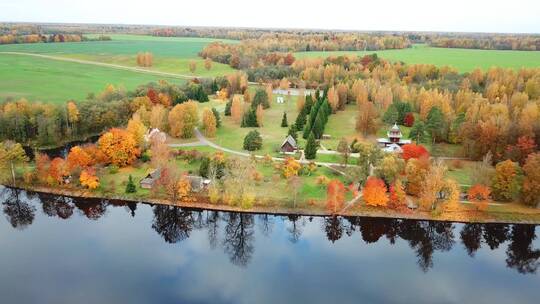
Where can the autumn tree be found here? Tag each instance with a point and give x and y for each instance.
(397, 195)
(366, 120)
(374, 192)
(416, 171)
(506, 183)
(89, 179)
(432, 186)
(531, 182)
(389, 168)
(79, 158)
(160, 153)
(11, 153)
(237, 109)
(119, 147)
(260, 115)
(345, 150)
(209, 123)
(192, 66)
(183, 119)
(335, 196)
(137, 129)
(291, 167)
(414, 151)
(208, 64)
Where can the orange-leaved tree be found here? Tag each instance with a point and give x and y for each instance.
(374, 192)
(119, 146)
(291, 167)
(335, 195)
(79, 158)
(89, 179)
(479, 194)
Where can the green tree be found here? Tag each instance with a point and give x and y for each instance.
(301, 119)
(311, 147)
(253, 141)
(260, 98)
(249, 119)
(435, 124)
(204, 167)
(402, 108)
(217, 116)
(418, 132)
(12, 153)
(293, 133)
(284, 122)
(391, 115)
(130, 187)
(228, 106)
(307, 130)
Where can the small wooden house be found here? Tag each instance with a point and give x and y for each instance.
(289, 145)
(150, 179)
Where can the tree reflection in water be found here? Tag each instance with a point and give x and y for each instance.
(19, 213)
(235, 232)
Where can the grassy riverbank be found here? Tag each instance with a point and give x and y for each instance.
(504, 213)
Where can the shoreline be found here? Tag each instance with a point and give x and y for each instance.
(199, 203)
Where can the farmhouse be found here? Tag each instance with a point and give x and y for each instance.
(394, 140)
(289, 145)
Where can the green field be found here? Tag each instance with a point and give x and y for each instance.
(464, 60)
(56, 81)
(39, 79)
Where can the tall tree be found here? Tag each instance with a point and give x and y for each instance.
(311, 147)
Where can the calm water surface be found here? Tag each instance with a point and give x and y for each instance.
(59, 250)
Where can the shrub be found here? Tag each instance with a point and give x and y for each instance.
(130, 187)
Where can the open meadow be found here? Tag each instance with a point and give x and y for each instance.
(465, 60)
(51, 80)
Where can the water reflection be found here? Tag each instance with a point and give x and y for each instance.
(234, 233)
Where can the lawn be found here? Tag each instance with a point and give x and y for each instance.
(464, 60)
(56, 81)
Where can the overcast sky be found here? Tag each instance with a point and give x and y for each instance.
(513, 16)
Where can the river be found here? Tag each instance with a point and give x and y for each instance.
(57, 249)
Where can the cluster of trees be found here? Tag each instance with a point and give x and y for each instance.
(145, 59)
(275, 49)
(40, 38)
(495, 42)
(47, 124)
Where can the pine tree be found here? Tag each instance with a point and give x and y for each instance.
(203, 168)
(418, 132)
(311, 147)
(293, 133)
(130, 187)
(307, 130)
(308, 104)
(249, 119)
(228, 108)
(284, 122)
(217, 116)
(261, 97)
(318, 127)
(301, 119)
(391, 115)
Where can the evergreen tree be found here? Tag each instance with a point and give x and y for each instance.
(308, 104)
(311, 147)
(292, 132)
(260, 98)
(327, 110)
(313, 113)
(249, 119)
(307, 130)
(418, 132)
(402, 108)
(130, 187)
(391, 115)
(253, 141)
(203, 168)
(435, 124)
(284, 122)
(301, 119)
(228, 108)
(318, 127)
(217, 116)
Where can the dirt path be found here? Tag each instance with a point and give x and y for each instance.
(107, 65)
